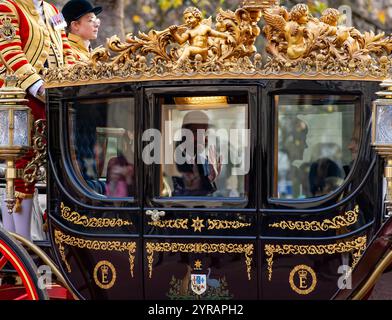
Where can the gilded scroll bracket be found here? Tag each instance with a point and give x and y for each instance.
(62, 239)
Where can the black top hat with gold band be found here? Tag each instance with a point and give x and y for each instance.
(75, 9)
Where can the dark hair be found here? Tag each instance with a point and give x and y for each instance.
(320, 172)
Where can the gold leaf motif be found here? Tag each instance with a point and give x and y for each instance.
(170, 224)
(338, 222)
(226, 224)
(62, 238)
(198, 224)
(35, 170)
(246, 249)
(297, 44)
(357, 246)
(75, 218)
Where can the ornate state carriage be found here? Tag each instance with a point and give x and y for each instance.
(288, 203)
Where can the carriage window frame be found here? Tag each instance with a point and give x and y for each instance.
(73, 173)
(358, 102)
(153, 101)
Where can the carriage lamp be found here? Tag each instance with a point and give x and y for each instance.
(15, 133)
(382, 135)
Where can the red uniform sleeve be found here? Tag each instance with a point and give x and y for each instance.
(11, 50)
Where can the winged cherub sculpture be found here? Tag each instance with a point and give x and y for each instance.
(292, 27)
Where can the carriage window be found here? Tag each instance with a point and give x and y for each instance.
(102, 145)
(206, 140)
(317, 142)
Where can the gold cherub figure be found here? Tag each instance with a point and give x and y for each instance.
(294, 29)
(197, 35)
(345, 37)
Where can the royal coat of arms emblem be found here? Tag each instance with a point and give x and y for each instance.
(199, 283)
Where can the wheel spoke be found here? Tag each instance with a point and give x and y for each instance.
(3, 262)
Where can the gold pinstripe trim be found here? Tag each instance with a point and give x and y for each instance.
(29, 17)
(8, 49)
(36, 39)
(15, 59)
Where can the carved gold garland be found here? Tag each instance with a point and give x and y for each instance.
(35, 170)
(170, 224)
(246, 249)
(225, 224)
(296, 43)
(338, 222)
(75, 218)
(356, 246)
(62, 238)
(198, 224)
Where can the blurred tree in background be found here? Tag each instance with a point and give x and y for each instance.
(130, 16)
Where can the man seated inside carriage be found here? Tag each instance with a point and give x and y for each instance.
(199, 167)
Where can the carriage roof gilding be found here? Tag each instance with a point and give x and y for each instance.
(297, 46)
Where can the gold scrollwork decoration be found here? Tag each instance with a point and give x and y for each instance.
(78, 219)
(246, 249)
(35, 170)
(62, 239)
(214, 224)
(296, 44)
(298, 41)
(338, 222)
(199, 224)
(170, 224)
(357, 246)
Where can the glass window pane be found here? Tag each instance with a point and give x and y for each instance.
(20, 128)
(4, 140)
(384, 122)
(205, 149)
(317, 143)
(102, 145)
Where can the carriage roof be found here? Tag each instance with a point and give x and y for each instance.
(308, 49)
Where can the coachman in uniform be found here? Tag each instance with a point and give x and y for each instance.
(32, 38)
(82, 26)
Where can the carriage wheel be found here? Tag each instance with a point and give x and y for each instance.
(13, 255)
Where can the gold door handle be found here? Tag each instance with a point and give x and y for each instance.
(155, 214)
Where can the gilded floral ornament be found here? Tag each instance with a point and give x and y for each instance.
(82, 220)
(225, 248)
(340, 221)
(195, 46)
(62, 239)
(296, 44)
(356, 246)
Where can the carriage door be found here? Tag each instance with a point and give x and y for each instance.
(200, 214)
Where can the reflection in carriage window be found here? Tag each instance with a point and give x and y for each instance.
(317, 143)
(102, 145)
(205, 151)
